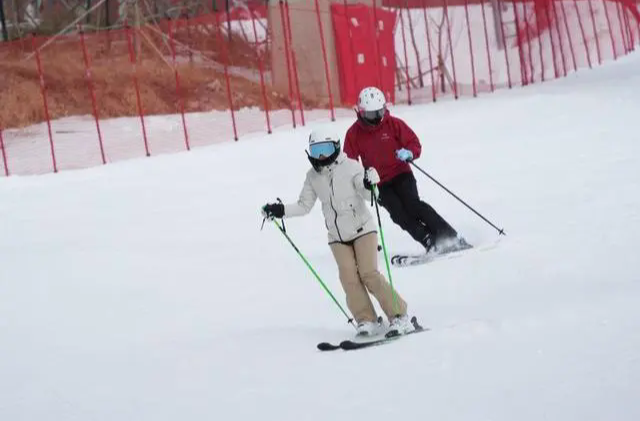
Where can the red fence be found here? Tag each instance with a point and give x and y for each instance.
(82, 100)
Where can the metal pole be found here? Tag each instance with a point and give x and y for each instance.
(3, 22)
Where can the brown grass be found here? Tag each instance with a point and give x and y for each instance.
(203, 85)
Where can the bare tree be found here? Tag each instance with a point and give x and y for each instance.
(415, 46)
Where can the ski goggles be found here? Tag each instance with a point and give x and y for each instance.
(325, 149)
(372, 115)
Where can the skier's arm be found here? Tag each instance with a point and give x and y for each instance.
(363, 180)
(305, 202)
(350, 148)
(358, 183)
(408, 138)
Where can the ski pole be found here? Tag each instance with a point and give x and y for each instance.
(306, 262)
(500, 230)
(374, 196)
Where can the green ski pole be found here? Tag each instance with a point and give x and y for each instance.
(306, 262)
(374, 195)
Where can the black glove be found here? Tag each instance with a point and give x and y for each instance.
(273, 210)
(367, 184)
(371, 178)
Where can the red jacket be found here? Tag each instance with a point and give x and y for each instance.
(377, 146)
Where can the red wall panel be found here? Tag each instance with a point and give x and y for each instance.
(364, 60)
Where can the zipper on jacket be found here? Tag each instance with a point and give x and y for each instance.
(333, 193)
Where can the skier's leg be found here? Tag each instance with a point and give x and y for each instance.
(366, 253)
(392, 202)
(358, 300)
(407, 191)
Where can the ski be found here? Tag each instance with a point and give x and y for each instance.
(326, 346)
(390, 336)
(404, 260)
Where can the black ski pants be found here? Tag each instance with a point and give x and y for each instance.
(399, 196)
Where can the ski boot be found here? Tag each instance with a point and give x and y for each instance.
(399, 325)
(367, 329)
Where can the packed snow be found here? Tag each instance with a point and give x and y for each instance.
(145, 289)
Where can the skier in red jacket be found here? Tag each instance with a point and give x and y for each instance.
(388, 144)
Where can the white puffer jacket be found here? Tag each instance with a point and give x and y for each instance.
(340, 188)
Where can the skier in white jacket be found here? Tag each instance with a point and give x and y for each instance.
(344, 187)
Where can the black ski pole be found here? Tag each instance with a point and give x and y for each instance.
(500, 230)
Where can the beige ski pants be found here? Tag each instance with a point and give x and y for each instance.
(358, 269)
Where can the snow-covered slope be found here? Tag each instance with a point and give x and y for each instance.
(145, 290)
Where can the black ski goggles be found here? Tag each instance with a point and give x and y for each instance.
(372, 115)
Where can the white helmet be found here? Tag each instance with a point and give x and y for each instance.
(371, 105)
(324, 147)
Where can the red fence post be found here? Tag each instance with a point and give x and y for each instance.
(528, 37)
(286, 53)
(453, 61)
(529, 42)
(622, 29)
(326, 63)
(504, 38)
(473, 66)
(556, 74)
(539, 36)
(613, 44)
(406, 58)
(638, 24)
(92, 94)
(524, 80)
(43, 90)
(134, 75)
(178, 92)
(225, 59)
(414, 44)
(431, 69)
(584, 37)
(4, 155)
(261, 70)
(486, 40)
(629, 30)
(595, 31)
(555, 17)
(377, 46)
(569, 38)
(294, 62)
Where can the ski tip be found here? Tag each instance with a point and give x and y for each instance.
(326, 346)
(349, 345)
